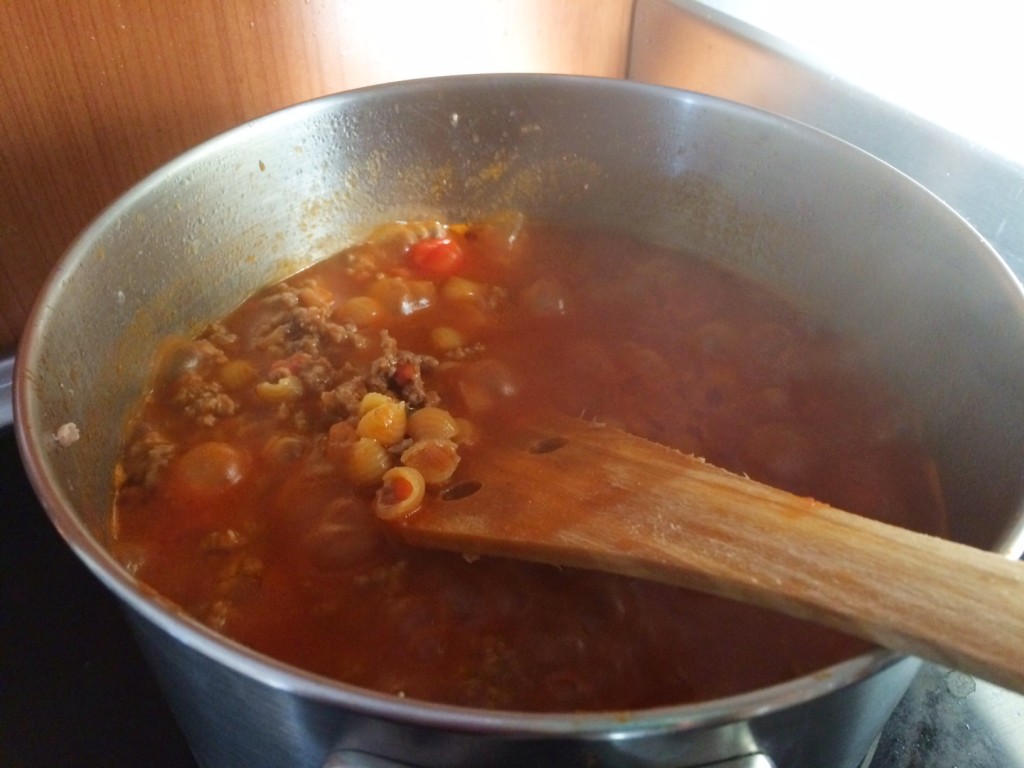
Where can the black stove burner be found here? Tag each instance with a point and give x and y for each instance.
(74, 688)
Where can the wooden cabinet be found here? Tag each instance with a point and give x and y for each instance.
(95, 94)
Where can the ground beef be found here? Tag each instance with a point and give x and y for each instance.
(344, 399)
(207, 354)
(316, 372)
(199, 357)
(401, 372)
(187, 378)
(295, 327)
(395, 371)
(148, 452)
(202, 400)
(218, 335)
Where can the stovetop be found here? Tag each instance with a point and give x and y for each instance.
(74, 689)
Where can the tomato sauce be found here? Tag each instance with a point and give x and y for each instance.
(248, 481)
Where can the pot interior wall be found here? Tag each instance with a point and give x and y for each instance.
(844, 236)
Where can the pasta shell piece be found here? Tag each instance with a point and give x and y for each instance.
(366, 462)
(288, 389)
(360, 311)
(400, 494)
(431, 422)
(544, 298)
(372, 400)
(313, 294)
(462, 289)
(466, 433)
(446, 338)
(435, 459)
(237, 374)
(385, 423)
(403, 297)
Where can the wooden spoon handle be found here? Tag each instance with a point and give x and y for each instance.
(588, 496)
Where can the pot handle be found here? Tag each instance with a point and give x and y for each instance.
(6, 392)
(749, 761)
(348, 758)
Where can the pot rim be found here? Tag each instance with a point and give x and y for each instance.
(32, 443)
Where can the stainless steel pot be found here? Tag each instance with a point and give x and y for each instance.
(844, 235)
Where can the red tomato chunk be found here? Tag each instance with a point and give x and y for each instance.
(436, 257)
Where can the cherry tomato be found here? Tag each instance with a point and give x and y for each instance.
(436, 257)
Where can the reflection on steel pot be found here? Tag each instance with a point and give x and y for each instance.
(842, 234)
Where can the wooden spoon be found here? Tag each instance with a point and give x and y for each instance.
(584, 495)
